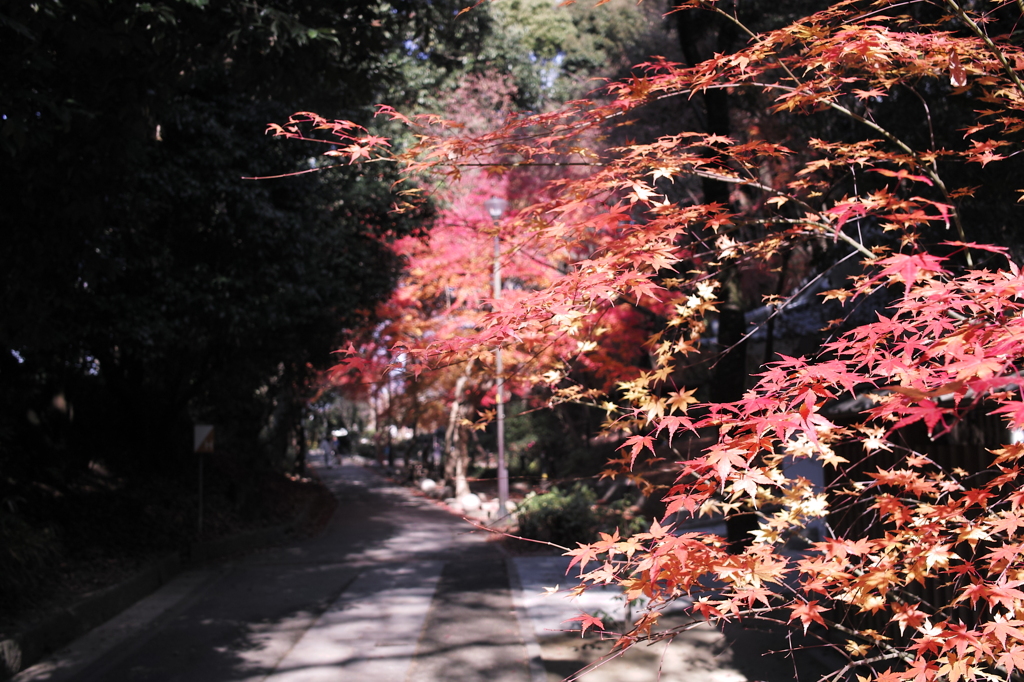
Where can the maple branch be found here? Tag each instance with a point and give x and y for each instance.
(930, 172)
(843, 110)
(774, 60)
(779, 308)
(796, 79)
(510, 535)
(747, 183)
(864, 251)
(837, 107)
(288, 175)
(892, 651)
(518, 164)
(889, 136)
(838, 674)
(983, 36)
(928, 117)
(596, 664)
(752, 183)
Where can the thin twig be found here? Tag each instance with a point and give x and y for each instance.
(480, 526)
(977, 30)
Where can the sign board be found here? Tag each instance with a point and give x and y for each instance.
(203, 438)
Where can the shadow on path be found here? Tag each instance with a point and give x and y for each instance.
(350, 603)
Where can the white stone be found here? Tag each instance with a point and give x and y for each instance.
(428, 485)
(469, 502)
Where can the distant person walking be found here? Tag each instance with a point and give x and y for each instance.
(325, 446)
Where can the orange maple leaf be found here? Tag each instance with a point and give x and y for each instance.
(808, 612)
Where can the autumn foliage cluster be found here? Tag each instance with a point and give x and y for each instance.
(884, 134)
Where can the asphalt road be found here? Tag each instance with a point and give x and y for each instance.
(394, 589)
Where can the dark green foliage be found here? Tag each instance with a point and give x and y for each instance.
(566, 52)
(566, 517)
(144, 281)
(101, 527)
(145, 285)
(24, 555)
(558, 442)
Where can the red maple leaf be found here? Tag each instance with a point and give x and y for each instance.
(586, 621)
(1011, 659)
(637, 444)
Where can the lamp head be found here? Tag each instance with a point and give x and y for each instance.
(495, 207)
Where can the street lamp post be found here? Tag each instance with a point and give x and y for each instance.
(496, 208)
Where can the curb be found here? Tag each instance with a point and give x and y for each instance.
(55, 631)
(538, 673)
(31, 645)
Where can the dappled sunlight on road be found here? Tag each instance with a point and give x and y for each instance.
(370, 632)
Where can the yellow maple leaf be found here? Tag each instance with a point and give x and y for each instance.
(680, 400)
(838, 294)
(857, 650)
(663, 172)
(654, 407)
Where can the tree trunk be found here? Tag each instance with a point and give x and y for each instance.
(728, 386)
(702, 34)
(456, 446)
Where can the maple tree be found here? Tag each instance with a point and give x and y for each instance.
(830, 163)
(447, 290)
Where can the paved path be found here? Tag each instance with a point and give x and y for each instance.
(394, 590)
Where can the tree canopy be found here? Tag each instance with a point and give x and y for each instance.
(147, 278)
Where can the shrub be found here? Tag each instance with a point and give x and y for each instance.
(566, 517)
